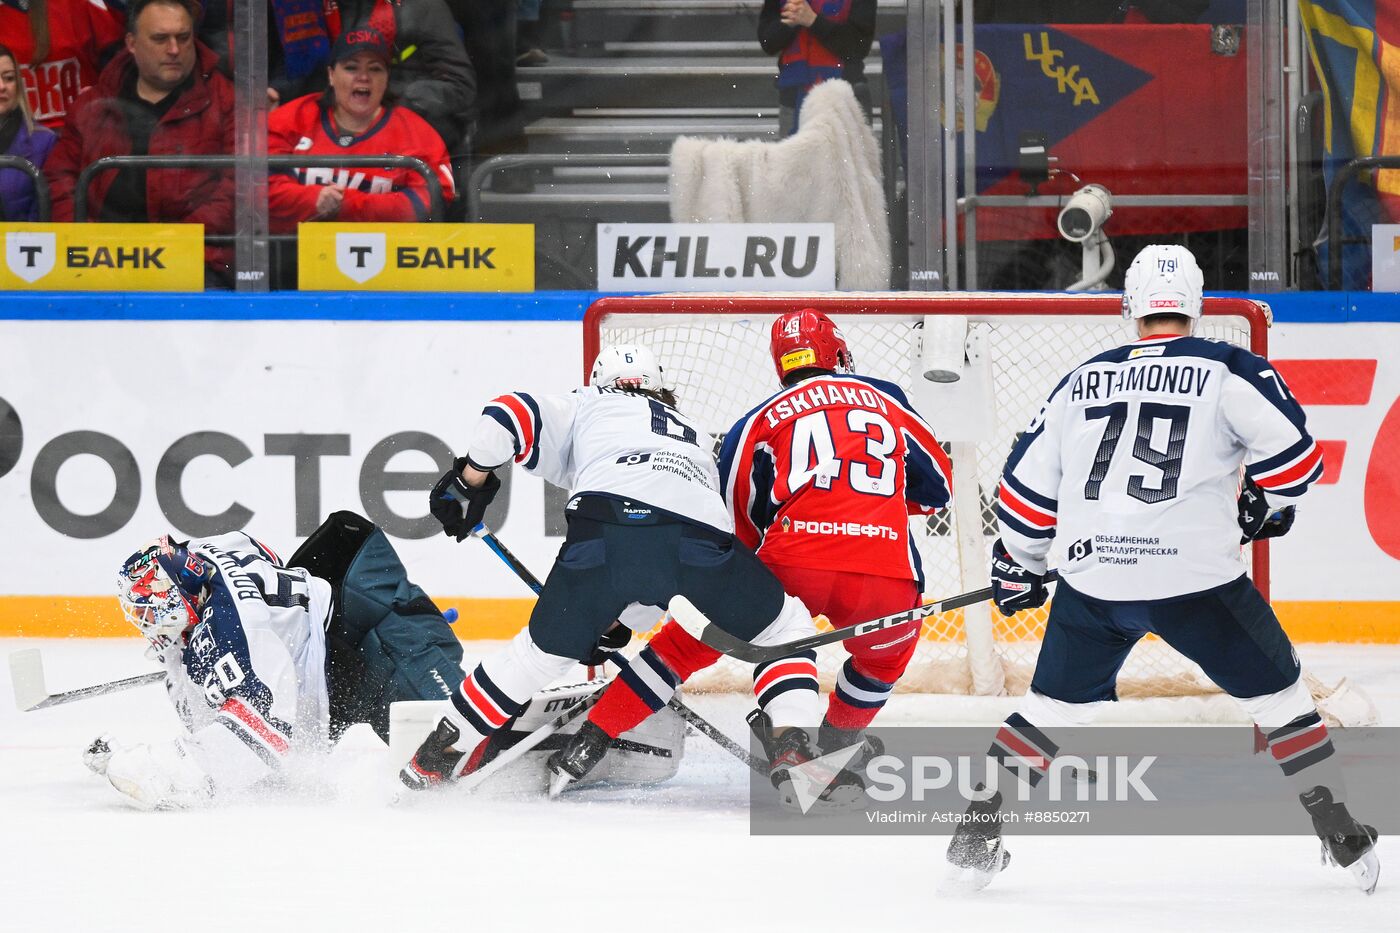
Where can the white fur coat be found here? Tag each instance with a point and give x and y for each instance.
(828, 172)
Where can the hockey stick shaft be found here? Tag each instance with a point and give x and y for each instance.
(27, 679)
(696, 721)
(701, 628)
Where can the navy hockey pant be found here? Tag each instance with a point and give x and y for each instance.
(612, 558)
(1230, 631)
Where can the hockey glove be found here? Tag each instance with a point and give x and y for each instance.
(1258, 519)
(98, 753)
(1014, 587)
(614, 639)
(457, 506)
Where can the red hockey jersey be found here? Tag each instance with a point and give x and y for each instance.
(825, 474)
(303, 127)
(79, 31)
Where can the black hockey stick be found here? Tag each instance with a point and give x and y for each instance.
(694, 719)
(699, 627)
(27, 678)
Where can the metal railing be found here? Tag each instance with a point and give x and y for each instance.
(1334, 210)
(41, 187)
(113, 163)
(500, 163)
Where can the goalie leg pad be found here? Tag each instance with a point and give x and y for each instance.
(162, 776)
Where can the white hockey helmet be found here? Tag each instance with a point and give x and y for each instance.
(1163, 279)
(627, 366)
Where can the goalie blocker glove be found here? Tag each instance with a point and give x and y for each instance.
(1258, 519)
(457, 506)
(1014, 587)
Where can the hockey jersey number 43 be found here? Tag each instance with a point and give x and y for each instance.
(826, 473)
(1132, 468)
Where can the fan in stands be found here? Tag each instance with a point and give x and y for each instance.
(820, 480)
(1152, 544)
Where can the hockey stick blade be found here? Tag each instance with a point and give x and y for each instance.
(702, 629)
(27, 676)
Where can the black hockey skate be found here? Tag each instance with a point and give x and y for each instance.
(831, 739)
(436, 761)
(977, 852)
(1346, 843)
(585, 748)
(791, 750)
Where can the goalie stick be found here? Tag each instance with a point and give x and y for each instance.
(27, 678)
(699, 627)
(694, 719)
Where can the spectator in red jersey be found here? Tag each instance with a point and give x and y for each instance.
(61, 45)
(162, 95)
(354, 116)
(19, 136)
(816, 41)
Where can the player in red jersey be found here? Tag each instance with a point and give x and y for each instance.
(352, 117)
(821, 480)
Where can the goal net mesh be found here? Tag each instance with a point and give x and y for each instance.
(714, 350)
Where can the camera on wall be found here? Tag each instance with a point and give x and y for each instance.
(1085, 213)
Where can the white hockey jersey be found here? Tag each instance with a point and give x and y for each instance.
(250, 685)
(1132, 468)
(606, 442)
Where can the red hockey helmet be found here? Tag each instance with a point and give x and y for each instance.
(807, 339)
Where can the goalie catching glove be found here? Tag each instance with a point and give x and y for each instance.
(460, 507)
(1258, 519)
(1014, 587)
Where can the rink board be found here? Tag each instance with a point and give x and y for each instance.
(113, 431)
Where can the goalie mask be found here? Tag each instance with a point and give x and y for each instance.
(1163, 279)
(161, 588)
(807, 339)
(627, 366)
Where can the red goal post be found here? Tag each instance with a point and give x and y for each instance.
(1016, 347)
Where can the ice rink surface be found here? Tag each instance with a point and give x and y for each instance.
(331, 854)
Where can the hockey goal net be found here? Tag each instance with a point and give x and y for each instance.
(1007, 352)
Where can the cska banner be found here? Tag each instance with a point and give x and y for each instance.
(1139, 109)
(1355, 48)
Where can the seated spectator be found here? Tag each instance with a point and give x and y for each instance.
(354, 116)
(161, 96)
(814, 45)
(61, 45)
(432, 75)
(19, 136)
